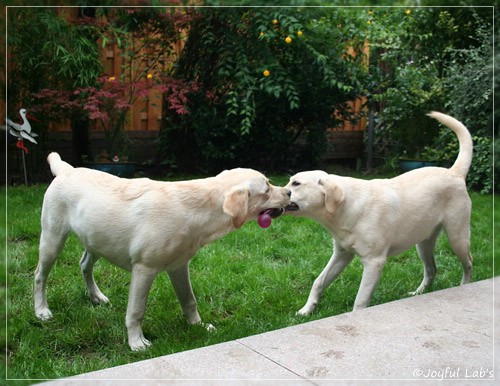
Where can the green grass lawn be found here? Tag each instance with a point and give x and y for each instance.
(251, 281)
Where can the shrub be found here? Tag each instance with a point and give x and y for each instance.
(447, 67)
(445, 150)
(269, 83)
(145, 39)
(407, 82)
(46, 51)
(468, 82)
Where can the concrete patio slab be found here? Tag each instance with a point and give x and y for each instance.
(230, 360)
(451, 329)
(443, 335)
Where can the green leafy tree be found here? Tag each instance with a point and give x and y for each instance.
(47, 51)
(270, 81)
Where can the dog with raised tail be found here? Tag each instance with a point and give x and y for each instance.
(145, 227)
(378, 218)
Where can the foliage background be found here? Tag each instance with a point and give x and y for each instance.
(446, 68)
(421, 59)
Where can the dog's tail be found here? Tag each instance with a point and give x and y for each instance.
(57, 165)
(464, 159)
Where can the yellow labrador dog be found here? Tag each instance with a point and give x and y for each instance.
(145, 227)
(384, 217)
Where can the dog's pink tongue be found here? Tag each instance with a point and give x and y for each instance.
(264, 220)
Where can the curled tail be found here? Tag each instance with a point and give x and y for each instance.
(464, 159)
(57, 165)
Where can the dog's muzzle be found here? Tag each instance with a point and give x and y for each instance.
(292, 207)
(274, 212)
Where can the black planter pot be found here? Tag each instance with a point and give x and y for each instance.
(405, 165)
(120, 169)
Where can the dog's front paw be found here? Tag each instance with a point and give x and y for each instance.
(209, 327)
(419, 291)
(43, 314)
(139, 344)
(305, 311)
(99, 299)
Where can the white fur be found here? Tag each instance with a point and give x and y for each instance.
(145, 227)
(384, 217)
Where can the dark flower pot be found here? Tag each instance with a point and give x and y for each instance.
(405, 165)
(120, 169)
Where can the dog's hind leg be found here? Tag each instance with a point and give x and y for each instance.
(51, 244)
(184, 292)
(335, 266)
(459, 238)
(425, 251)
(87, 266)
(457, 228)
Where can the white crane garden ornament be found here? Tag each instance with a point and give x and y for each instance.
(22, 132)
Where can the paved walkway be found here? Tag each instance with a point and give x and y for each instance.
(446, 335)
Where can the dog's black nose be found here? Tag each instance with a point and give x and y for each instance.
(289, 193)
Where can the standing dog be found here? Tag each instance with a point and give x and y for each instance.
(384, 217)
(145, 227)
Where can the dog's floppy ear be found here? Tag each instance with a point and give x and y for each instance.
(334, 195)
(236, 205)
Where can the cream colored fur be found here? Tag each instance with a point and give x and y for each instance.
(145, 227)
(384, 217)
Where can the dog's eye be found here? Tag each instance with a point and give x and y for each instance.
(295, 183)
